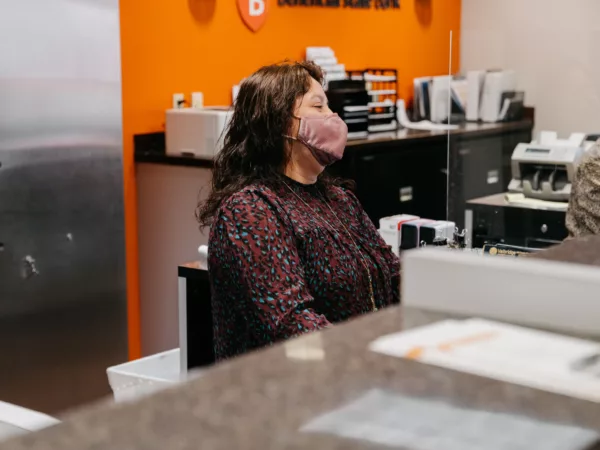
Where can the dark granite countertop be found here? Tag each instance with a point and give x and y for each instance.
(583, 250)
(262, 400)
(150, 148)
(466, 130)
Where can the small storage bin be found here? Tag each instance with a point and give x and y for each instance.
(136, 379)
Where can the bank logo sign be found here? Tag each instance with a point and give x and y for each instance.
(253, 13)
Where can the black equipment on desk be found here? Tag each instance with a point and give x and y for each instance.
(424, 232)
(382, 88)
(513, 104)
(410, 234)
(350, 100)
(491, 223)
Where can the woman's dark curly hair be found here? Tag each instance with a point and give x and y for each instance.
(254, 147)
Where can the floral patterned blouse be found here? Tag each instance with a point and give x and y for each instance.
(281, 264)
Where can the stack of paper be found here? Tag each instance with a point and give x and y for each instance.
(325, 58)
(437, 97)
(509, 353)
(424, 125)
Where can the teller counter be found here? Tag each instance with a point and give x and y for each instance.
(316, 392)
(327, 390)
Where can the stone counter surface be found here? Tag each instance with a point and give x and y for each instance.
(261, 400)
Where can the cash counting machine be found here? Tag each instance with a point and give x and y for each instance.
(546, 168)
(532, 213)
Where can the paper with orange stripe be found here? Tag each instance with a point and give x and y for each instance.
(451, 344)
(508, 353)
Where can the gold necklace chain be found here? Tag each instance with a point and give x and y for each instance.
(362, 258)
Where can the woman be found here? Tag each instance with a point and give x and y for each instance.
(583, 214)
(290, 250)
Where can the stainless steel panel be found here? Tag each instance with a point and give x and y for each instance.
(62, 266)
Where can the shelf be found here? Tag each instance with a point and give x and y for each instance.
(383, 92)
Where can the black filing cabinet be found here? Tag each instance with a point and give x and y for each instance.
(410, 176)
(398, 178)
(480, 166)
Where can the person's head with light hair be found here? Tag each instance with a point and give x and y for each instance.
(583, 214)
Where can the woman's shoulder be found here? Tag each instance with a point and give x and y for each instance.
(341, 191)
(252, 197)
(343, 194)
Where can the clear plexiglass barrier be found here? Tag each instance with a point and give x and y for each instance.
(520, 108)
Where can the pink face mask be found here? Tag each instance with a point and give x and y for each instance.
(324, 136)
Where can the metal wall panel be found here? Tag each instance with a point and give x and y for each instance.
(63, 313)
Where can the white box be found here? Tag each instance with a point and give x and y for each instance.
(554, 295)
(16, 420)
(136, 379)
(439, 98)
(389, 229)
(196, 132)
(496, 84)
(475, 80)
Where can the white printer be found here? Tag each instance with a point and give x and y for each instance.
(196, 132)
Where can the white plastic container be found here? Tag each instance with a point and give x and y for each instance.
(389, 229)
(15, 421)
(136, 379)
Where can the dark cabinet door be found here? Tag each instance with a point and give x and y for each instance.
(480, 167)
(402, 180)
(475, 171)
(481, 162)
(400, 177)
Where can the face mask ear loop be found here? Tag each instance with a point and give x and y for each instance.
(292, 137)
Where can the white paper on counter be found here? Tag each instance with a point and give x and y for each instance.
(509, 353)
(399, 421)
(521, 200)
(424, 125)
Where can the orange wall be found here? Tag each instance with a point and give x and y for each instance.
(202, 45)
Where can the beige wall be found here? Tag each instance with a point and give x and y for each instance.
(554, 45)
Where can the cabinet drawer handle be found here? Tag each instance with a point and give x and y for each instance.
(406, 194)
(493, 176)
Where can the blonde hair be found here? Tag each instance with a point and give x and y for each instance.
(583, 214)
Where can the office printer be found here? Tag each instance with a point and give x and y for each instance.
(196, 132)
(545, 169)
